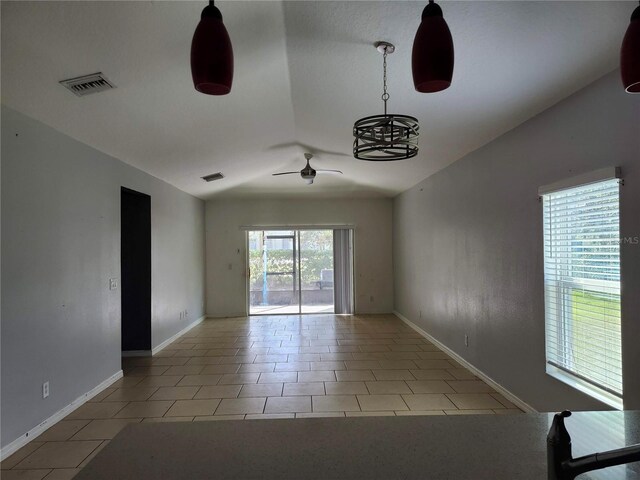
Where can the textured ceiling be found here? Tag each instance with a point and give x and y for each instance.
(304, 72)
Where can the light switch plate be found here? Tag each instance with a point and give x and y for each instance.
(113, 284)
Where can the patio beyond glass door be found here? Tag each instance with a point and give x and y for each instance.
(290, 272)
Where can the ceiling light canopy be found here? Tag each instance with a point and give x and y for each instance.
(432, 55)
(385, 137)
(211, 54)
(630, 55)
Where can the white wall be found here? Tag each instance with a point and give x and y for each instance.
(60, 246)
(226, 288)
(468, 254)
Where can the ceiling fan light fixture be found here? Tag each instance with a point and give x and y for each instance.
(432, 56)
(387, 137)
(630, 55)
(211, 54)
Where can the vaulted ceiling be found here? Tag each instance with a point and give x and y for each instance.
(304, 71)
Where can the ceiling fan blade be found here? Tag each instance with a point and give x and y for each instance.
(285, 173)
(329, 171)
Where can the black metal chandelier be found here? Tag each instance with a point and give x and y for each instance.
(387, 137)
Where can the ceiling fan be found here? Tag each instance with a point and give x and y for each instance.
(308, 173)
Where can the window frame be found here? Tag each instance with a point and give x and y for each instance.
(566, 376)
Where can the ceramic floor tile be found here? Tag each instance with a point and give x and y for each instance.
(218, 391)
(329, 365)
(221, 369)
(20, 454)
(462, 374)
(129, 394)
(370, 414)
(268, 416)
(279, 377)
(238, 378)
(103, 429)
(198, 380)
(434, 374)
(270, 358)
(145, 371)
(237, 406)
(384, 375)
(362, 364)
(103, 394)
(25, 474)
(335, 403)
(397, 364)
(192, 408)
(345, 388)
(319, 414)
(89, 411)
(355, 376)
(504, 401)
(430, 386)
(316, 376)
(62, 474)
(288, 405)
(419, 412)
(293, 367)
(63, 430)
(175, 393)
(428, 401)
(167, 419)
(381, 388)
(59, 455)
(369, 403)
(160, 381)
(94, 453)
(474, 401)
(429, 364)
(470, 386)
(470, 412)
(261, 390)
(293, 389)
(184, 370)
(145, 409)
(257, 367)
(210, 418)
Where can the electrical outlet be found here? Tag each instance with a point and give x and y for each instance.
(113, 284)
(45, 389)
(466, 340)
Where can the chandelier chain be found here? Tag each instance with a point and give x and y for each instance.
(385, 95)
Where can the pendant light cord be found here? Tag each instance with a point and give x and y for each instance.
(385, 95)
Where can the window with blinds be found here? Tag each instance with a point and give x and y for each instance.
(582, 284)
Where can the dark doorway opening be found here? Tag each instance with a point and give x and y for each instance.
(135, 266)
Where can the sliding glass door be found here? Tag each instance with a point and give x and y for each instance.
(290, 271)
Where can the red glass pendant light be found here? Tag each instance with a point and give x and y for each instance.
(432, 56)
(630, 55)
(211, 54)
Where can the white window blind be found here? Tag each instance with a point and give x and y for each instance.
(582, 283)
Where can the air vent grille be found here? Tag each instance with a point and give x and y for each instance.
(213, 176)
(88, 84)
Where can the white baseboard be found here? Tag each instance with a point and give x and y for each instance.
(177, 335)
(495, 385)
(56, 417)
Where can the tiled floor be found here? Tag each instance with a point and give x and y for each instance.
(266, 367)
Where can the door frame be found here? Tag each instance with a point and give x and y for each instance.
(296, 230)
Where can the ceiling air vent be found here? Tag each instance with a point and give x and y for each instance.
(212, 177)
(88, 84)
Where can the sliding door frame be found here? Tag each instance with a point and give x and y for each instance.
(296, 229)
